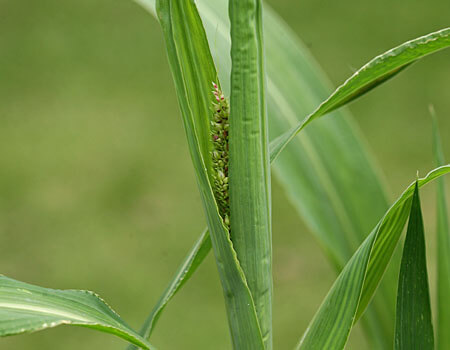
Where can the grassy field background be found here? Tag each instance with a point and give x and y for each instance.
(97, 190)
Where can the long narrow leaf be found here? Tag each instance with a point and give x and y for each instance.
(189, 265)
(414, 327)
(356, 285)
(372, 74)
(26, 308)
(249, 158)
(443, 253)
(193, 71)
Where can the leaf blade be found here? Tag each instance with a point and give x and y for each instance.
(27, 308)
(414, 327)
(375, 72)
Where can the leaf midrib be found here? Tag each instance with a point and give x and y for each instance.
(47, 311)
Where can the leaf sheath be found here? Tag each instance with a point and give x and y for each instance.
(249, 159)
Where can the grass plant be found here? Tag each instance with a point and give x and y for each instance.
(243, 112)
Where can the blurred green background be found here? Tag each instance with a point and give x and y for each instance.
(96, 185)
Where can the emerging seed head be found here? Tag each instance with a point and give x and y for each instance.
(219, 154)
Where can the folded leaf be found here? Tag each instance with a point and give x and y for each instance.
(26, 308)
(414, 326)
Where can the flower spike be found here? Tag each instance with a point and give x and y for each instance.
(219, 154)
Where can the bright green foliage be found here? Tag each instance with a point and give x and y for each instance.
(193, 71)
(443, 250)
(372, 74)
(249, 158)
(414, 327)
(356, 285)
(26, 308)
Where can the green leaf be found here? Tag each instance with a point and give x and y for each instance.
(443, 250)
(26, 308)
(193, 71)
(249, 158)
(372, 74)
(414, 327)
(356, 285)
(189, 265)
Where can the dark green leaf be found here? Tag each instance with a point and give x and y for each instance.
(414, 327)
